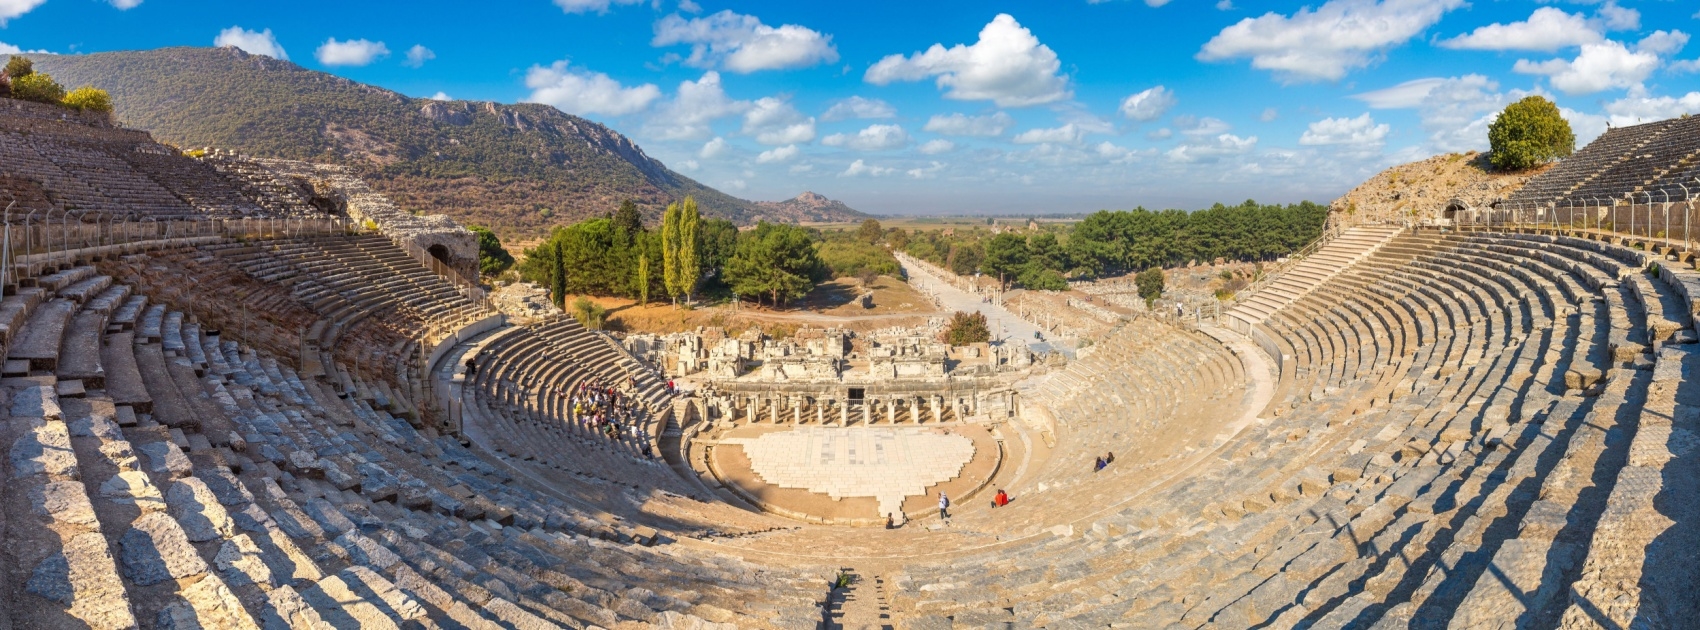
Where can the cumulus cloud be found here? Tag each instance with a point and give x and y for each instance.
(859, 168)
(927, 172)
(1455, 111)
(962, 125)
(1619, 18)
(125, 5)
(1007, 66)
(1206, 126)
(418, 55)
(1633, 109)
(584, 92)
(1547, 29)
(1066, 134)
(1355, 132)
(741, 43)
(874, 138)
(714, 148)
(8, 49)
(1327, 42)
(858, 107)
(773, 122)
(935, 147)
(1606, 65)
(441, 96)
(1269, 114)
(1148, 105)
(13, 8)
(586, 6)
(1405, 95)
(254, 43)
(780, 154)
(696, 104)
(1212, 149)
(354, 52)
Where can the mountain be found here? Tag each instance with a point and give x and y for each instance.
(810, 206)
(517, 169)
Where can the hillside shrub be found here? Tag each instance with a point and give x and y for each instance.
(589, 313)
(1530, 132)
(89, 99)
(38, 87)
(1150, 283)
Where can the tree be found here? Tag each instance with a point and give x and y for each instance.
(493, 259)
(38, 87)
(1150, 283)
(670, 251)
(967, 328)
(558, 279)
(1528, 133)
(630, 219)
(776, 259)
(18, 67)
(589, 313)
(690, 265)
(898, 238)
(1005, 255)
(89, 99)
(870, 231)
(643, 279)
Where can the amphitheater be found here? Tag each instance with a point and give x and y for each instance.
(230, 402)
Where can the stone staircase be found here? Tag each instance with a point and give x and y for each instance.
(1355, 244)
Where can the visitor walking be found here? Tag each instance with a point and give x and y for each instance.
(944, 507)
(1097, 464)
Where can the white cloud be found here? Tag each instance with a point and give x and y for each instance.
(928, 172)
(798, 169)
(696, 104)
(584, 92)
(441, 96)
(741, 43)
(1547, 29)
(1224, 5)
(1066, 134)
(1585, 126)
(1685, 66)
(354, 52)
(1160, 134)
(1113, 153)
(1007, 66)
(714, 148)
(935, 147)
(736, 184)
(1206, 126)
(1360, 131)
(774, 122)
(8, 49)
(690, 165)
(1405, 95)
(1619, 18)
(960, 125)
(1326, 42)
(13, 8)
(1606, 65)
(1269, 114)
(586, 6)
(254, 43)
(874, 138)
(418, 55)
(858, 168)
(1634, 110)
(1213, 149)
(780, 154)
(125, 5)
(858, 107)
(1148, 105)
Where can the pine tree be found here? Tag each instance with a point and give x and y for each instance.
(690, 264)
(558, 279)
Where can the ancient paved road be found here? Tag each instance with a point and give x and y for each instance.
(951, 299)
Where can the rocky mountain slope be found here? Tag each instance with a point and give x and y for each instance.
(809, 206)
(1420, 190)
(518, 169)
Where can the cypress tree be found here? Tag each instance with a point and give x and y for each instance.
(690, 264)
(558, 279)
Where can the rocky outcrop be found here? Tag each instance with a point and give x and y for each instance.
(809, 206)
(1423, 190)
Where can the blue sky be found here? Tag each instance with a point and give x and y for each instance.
(1022, 107)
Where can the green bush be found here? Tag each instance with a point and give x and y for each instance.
(848, 257)
(493, 259)
(1150, 283)
(589, 313)
(1039, 278)
(967, 328)
(38, 87)
(1529, 133)
(89, 99)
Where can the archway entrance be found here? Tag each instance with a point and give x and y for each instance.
(439, 252)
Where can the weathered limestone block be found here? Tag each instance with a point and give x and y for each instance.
(197, 509)
(155, 550)
(1581, 377)
(241, 562)
(288, 610)
(83, 576)
(65, 502)
(121, 455)
(207, 603)
(133, 488)
(164, 458)
(43, 449)
(36, 402)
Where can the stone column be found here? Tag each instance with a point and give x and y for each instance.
(820, 413)
(933, 403)
(796, 410)
(844, 412)
(867, 411)
(773, 409)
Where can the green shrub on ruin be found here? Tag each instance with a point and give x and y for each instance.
(1150, 283)
(38, 87)
(967, 328)
(589, 313)
(493, 259)
(88, 99)
(1529, 133)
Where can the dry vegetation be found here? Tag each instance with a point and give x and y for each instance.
(1420, 190)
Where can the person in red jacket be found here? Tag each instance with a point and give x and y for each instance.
(1001, 499)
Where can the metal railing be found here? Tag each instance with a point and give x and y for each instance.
(1651, 218)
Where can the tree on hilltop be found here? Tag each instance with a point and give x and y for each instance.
(1529, 133)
